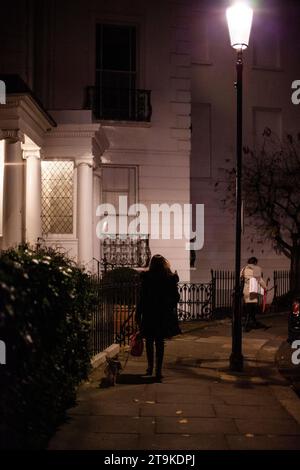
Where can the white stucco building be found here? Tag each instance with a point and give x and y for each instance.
(119, 87)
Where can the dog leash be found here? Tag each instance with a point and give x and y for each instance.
(128, 354)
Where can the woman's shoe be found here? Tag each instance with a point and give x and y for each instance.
(158, 376)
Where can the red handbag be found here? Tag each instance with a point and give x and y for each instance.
(136, 344)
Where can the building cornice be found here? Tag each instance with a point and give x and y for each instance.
(61, 134)
(81, 141)
(15, 100)
(23, 113)
(12, 135)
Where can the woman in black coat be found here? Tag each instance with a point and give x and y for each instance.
(156, 313)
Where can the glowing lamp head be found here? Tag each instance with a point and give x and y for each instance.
(239, 19)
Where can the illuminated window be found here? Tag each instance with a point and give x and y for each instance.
(1, 184)
(57, 197)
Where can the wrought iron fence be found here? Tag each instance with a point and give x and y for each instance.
(102, 325)
(125, 299)
(113, 316)
(196, 301)
(119, 103)
(223, 289)
(282, 282)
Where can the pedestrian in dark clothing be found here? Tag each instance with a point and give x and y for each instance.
(156, 313)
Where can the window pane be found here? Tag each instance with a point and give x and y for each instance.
(57, 197)
(132, 185)
(115, 72)
(124, 81)
(119, 181)
(112, 197)
(115, 47)
(115, 178)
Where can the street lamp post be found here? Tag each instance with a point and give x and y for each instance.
(239, 18)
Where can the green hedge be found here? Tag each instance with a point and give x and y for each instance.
(45, 305)
(118, 285)
(120, 275)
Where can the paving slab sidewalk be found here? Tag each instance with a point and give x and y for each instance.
(199, 405)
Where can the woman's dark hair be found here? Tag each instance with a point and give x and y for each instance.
(252, 260)
(159, 265)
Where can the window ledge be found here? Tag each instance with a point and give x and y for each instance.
(109, 122)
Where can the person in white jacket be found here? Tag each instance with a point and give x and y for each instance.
(254, 285)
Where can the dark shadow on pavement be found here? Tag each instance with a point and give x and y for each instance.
(265, 370)
(134, 379)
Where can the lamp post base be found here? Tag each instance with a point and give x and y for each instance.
(236, 362)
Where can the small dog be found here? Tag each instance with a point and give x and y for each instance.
(111, 371)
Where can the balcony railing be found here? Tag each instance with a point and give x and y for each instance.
(119, 104)
(120, 251)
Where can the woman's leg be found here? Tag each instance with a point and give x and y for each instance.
(257, 323)
(150, 354)
(160, 348)
(254, 307)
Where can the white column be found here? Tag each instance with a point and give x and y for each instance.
(33, 202)
(85, 211)
(97, 201)
(13, 205)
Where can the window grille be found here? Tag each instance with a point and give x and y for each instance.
(57, 197)
(121, 250)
